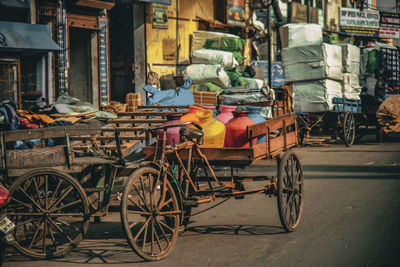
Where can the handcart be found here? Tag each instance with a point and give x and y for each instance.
(159, 195)
(346, 120)
(56, 190)
(67, 179)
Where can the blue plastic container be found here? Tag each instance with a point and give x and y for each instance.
(254, 115)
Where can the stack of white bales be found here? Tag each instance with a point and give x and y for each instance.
(209, 65)
(351, 72)
(315, 70)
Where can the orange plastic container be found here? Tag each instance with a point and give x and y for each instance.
(191, 116)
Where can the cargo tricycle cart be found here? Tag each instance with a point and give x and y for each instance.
(56, 190)
(158, 197)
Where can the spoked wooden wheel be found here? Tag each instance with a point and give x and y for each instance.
(349, 128)
(290, 191)
(50, 211)
(150, 214)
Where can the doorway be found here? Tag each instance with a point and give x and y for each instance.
(83, 65)
(121, 50)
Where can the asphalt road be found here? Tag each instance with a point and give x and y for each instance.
(351, 218)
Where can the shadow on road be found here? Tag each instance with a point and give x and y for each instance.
(234, 230)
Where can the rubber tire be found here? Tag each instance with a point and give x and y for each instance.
(85, 201)
(280, 183)
(353, 132)
(124, 214)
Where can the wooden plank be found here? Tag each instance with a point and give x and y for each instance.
(164, 107)
(82, 21)
(151, 113)
(107, 138)
(51, 132)
(273, 124)
(96, 4)
(125, 129)
(136, 120)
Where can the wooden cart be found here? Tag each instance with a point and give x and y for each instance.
(158, 197)
(56, 190)
(68, 178)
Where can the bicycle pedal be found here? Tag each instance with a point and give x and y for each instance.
(191, 202)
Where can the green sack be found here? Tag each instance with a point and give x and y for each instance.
(236, 78)
(225, 43)
(205, 87)
(238, 56)
(373, 61)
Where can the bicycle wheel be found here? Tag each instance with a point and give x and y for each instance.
(50, 211)
(290, 191)
(349, 128)
(150, 214)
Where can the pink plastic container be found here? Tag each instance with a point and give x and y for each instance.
(226, 114)
(173, 136)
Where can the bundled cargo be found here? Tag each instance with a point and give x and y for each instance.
(300, 34)
(200, 38)
(208, 56)
(351, 86)
(225, 43)
(351, 58)
(315, 96)
(201, 73)
(312, 62)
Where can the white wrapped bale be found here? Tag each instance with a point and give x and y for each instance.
(370, 81)
(351, 86)
(351, 58)
(312, 62)
(201, 73)
(315, 96)
(300, 34)
(208, 56)
(254, 83)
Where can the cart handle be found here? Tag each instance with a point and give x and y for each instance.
(164, 127)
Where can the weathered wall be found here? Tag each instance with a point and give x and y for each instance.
(164, 46)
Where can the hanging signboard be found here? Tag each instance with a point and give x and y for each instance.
(356, 22)
(236, 13)
(389, 25)
(160, 17)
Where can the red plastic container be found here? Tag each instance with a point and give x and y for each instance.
(173, 136)
(236, 134)
(226, 114)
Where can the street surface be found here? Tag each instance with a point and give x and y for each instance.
(351, 218)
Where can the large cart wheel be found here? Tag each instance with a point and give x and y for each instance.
(150, 214)
(50, 211)
(290, 191)
(348, 128)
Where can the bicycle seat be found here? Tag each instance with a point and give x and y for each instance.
(192, 134)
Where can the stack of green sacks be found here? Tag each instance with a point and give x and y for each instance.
(229, 44)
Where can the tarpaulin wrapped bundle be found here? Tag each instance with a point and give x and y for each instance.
(209, 56)
(300, 34)
(351, 86)
(225, 44)
(170, 97)
(315, 96)
(200, 38)
(312, 62)
(201, 73)
(351, 58)
(205, 87)
(388, 114)
(253, 83)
